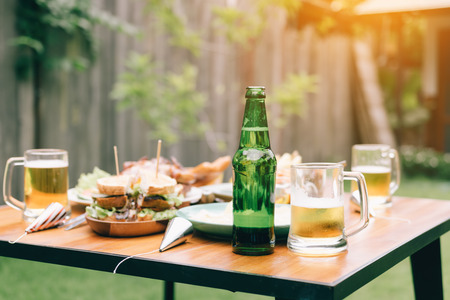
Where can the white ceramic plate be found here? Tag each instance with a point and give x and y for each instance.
(225, 190)
(76, 198)
(212, 219)
(221, 190)
(194, 195)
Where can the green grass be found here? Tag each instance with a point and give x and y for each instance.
(424, 188)
(32, 280)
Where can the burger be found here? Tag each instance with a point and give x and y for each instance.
(111, 203)
(158, 197)
(127, 198)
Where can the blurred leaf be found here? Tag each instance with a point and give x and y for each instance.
(180, 35)
(291, 96)
(237, 26)
(29, 42)
(46, 24)
(414, 113)
(168, 103)
(241, 27)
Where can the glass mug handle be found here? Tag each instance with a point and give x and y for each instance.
(7, 178)
(395, 180)
(362, 189)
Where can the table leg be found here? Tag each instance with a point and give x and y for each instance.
(169, 290)
(427, 272)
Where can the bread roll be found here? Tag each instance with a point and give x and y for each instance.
(161, 185)
(113, 185)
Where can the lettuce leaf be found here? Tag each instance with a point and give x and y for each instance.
(160, 215)
(97, 212)
(174, 199)
(89, 180)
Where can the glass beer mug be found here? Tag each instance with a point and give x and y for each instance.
(381, 168)
(45, 181)
(317, 209)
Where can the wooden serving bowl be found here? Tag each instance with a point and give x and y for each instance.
(126, 229)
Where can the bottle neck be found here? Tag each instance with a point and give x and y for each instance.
(255, 132)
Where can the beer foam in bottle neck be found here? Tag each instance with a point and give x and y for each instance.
(46, 163)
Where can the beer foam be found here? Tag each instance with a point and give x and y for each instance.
(371, 169)
(47, 163)
(312, 202)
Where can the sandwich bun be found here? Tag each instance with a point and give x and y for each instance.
(161, 185)
(113, 185)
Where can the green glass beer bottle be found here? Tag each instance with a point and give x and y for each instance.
(254, 166)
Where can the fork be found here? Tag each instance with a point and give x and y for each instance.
(75, 222)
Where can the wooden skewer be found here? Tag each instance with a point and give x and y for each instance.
(157, 157)
(117, 160)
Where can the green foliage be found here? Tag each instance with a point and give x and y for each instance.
(241, 27)
(169, 103)
(180, 36)
(413, 111)
(291, 96)
(47, 26)
(335, 15)
(413, 31)
(424, 162)
(237, 26)
(28, 42)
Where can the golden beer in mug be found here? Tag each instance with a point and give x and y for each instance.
(45, 181)
(378, 180)
(380, 166)
(317, 222)
(317, 209)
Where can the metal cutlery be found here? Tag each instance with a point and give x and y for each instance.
(75, 222)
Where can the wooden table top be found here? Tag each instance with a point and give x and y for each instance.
(209, 262)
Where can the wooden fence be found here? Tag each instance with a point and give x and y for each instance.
(78, 114)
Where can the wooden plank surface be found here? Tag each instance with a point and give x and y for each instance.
(374, 250)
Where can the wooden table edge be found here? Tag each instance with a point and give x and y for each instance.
(167, 271)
